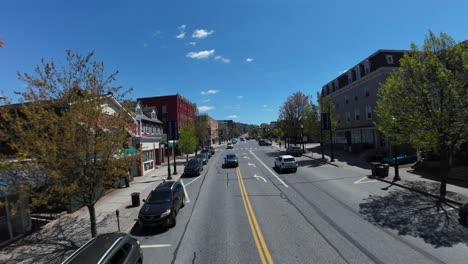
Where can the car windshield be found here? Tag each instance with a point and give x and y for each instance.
(230, 156)
(159, 196)
(289, 159)
(192, 163)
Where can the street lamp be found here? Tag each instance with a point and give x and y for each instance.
(302, 138)
(173, 152)
(168, 154)
(397, 173)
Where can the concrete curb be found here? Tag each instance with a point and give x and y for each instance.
(322, 161)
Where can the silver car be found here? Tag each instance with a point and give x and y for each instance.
(286, 162)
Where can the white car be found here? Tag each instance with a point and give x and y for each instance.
(229, 146)
(286, 162)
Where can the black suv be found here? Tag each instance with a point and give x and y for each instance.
(108, 248)
(193, 167)
(162, 205)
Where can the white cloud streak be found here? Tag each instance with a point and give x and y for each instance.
(182, 27)
(204, 54)
(181, 35)
(205, 108)
(201, 33)
(221, 58)
(232, 117)
(249, 60)
(209, 92)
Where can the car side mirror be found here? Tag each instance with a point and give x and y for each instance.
(144, 200)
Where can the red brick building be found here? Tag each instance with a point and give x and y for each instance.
(172, 108)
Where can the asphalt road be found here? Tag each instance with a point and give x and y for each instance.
(320, 214)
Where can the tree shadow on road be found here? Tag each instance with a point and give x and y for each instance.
(416, 215)
(139, 231)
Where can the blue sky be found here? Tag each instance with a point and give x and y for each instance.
(235, 59)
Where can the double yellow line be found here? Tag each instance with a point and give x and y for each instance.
(256, 231)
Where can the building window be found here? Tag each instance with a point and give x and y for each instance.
(337, 84)
(367, 92)
(346, 99)
(357, 69)
(338, 119)
(389, 59)
(369, 112)
(337, 105)
(348, 117)
(356, 114)
(164, 109)
(355, 97)
(367, 67)
(350, 76)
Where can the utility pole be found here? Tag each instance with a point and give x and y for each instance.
(331, 135)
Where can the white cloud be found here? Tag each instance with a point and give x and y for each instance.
(205, 108)
(265, 105)
(204, 54)
(240, 97)
(221, 58)
(340, 72)
(206, 100)
(201, 33)
(209, 92)
(181, 35)
(193, 43)
(182, 27)
(249, 60)
(232, 117)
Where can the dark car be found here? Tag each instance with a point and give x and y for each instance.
(203, 158)
(231, 160)
(108, 248)
(193, 168)
(264, 142)
(294, 151)
(207, 152)
(211, 149)
(162, 205)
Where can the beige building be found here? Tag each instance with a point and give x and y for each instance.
(354, 94)
(213, 130)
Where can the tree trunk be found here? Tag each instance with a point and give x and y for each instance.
(186, 155)
(444, 170)
(92, 218)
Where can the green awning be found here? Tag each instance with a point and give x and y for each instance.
(130, 151)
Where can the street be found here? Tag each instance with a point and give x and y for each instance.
(320, 214)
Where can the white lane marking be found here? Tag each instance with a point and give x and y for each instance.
(259, 177)
(363, 180)
(155, 246)
(192, 181)
(251, 164)
(246, 157)
(187, 199)
(272, 172)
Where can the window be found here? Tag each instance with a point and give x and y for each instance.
(338, 119)
(337, 105)
(389, 59)
(346, 99)
(367, 92)
(348, 117)
(369, 112)
(367, 67)
(356, 114)
(350, 76)
(164, 109)
(337, 84)
(355, 97)
(357, 69)
(121, 255)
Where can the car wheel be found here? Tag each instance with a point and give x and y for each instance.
(294, 170)
(172, 220)
(280, 170)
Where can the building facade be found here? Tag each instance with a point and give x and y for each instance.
(173, 109)
(213, 130)
(354, 94)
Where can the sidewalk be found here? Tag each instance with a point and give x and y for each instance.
(411, 181)
(59, 238)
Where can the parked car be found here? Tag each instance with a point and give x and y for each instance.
(207, 152)
(108, 248)
(211, 149)
(193, 168)
(286, 162)
(402, 159)
(234, 141)
(203, 158)
(294, 151)
(242, 139)
(264, 142)
(229, 146)
(162, 205)
(230, 160)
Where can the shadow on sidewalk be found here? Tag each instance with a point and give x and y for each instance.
(415, 215)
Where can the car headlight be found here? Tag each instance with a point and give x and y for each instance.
(168, 211)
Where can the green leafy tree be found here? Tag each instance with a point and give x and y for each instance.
(312, 123)
(201, 128)
(187, 140)
(425, 101)
(72, 129)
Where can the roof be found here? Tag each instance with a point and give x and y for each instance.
(95, 249)
(286, 156)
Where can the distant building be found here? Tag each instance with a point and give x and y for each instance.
(175, 109)
(354, 94)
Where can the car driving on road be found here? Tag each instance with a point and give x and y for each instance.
(229, 146)
(231, 160)
(286, 162)
(162, 205)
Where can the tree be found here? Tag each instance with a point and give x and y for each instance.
(312, 124)
(425, 101)
(293, 115)
(201, 128)
(223, 133)
(327, 107)
(72, 128)
(187, 140)
(1, 42)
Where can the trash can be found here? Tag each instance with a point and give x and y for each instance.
(135, 199)
(382, 170)
(373, 166)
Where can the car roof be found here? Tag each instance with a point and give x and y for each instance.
(231, 154)
(286, 156)
(165, 185)
(95, 249)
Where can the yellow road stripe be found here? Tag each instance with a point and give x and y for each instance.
(262, 249)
